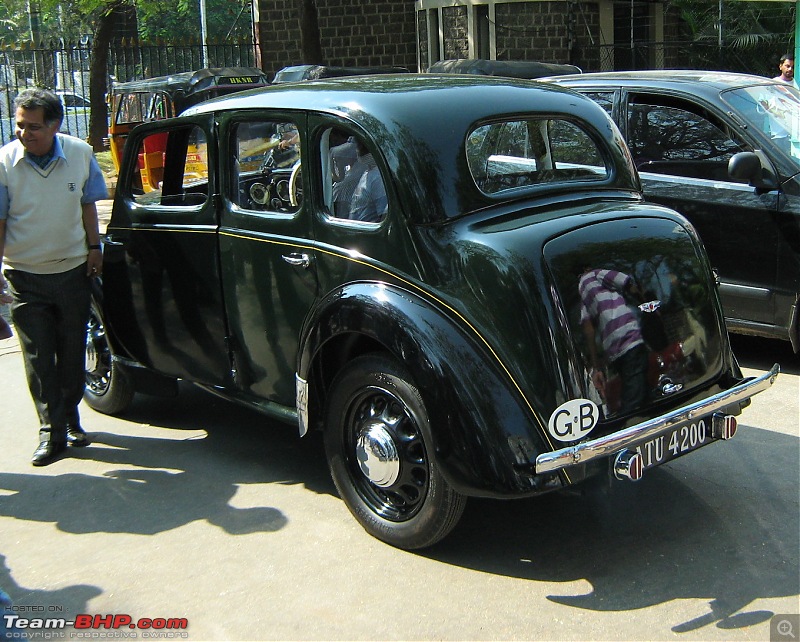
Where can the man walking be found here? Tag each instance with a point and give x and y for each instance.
(49, 238)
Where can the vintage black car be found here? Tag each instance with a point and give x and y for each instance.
(724, 150)
(455, 279)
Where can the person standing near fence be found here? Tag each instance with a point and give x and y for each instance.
(50, 241)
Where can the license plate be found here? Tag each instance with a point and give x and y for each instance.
(679, 441)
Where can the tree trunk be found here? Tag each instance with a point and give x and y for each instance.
(98, 78)
(310, 41)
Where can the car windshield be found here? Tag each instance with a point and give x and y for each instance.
(772, 110)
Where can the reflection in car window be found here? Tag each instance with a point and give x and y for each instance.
(353, 186)
(266, 169)
(773, 110)
(603, 98)
(172, 169)
(672, 140)
(512, 154)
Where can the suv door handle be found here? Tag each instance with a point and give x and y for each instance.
(299, 260)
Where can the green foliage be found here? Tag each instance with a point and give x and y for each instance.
(743, 23)
(157, 19)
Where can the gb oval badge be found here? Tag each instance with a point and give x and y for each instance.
(573, 419)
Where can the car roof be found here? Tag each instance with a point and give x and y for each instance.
(420, 122)
(190, 80)
(697, 81)
(313, 72)
(403, 97)
(508, 68)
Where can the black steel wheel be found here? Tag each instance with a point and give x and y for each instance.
(377, 440)
(107, 388)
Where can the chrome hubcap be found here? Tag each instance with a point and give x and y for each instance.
(96, 361)
(91, 354)
(377, 455)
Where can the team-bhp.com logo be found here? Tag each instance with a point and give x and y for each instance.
(85, 622)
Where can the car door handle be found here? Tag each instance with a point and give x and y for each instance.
(300, 260)
(110, 241)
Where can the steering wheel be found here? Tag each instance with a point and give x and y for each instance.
(296, 186)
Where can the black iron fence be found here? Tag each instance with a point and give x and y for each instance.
(64, 67)
(759, 58)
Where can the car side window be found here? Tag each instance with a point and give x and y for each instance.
(514, 154)
(353, 187)
(172, 168)
(266, 168)
(676, 140)
(603, 98)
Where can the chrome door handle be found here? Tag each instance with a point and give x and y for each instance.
(299, 260)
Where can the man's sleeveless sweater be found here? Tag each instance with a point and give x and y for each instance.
(44, 229)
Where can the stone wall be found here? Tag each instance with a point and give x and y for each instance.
(456, 35)
(543, 31)
(352, 33)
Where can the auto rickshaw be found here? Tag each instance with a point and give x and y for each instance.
(140, 101)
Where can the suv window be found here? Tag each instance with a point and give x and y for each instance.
(603, 98)
(668, 139)
(266, 172)
(513, 154)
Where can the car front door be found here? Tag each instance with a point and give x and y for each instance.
(681, 149)
(163, 292)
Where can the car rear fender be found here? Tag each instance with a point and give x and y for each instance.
(482, 433)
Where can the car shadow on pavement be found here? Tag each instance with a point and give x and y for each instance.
(761, 354)
(151, 484)
(711, 526)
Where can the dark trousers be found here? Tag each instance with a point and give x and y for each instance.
(50, 313)
(632, 368)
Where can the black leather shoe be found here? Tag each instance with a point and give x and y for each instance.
(47, 452)
(76, 437)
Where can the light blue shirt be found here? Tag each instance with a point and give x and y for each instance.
(94, 189)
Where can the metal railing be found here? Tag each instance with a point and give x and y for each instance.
(65, 67)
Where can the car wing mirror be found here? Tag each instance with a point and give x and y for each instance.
(755, 168)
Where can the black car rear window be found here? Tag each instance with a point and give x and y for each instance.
(516, 154)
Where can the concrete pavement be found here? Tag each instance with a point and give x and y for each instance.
(194, 509)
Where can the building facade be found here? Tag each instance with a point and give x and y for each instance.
(352, 33)
(595, 35)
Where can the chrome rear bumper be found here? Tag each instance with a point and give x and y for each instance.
(610, 444)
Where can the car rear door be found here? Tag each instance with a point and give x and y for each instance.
(269, 267)
(163, 292)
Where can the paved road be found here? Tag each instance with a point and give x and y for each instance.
(194, 508)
